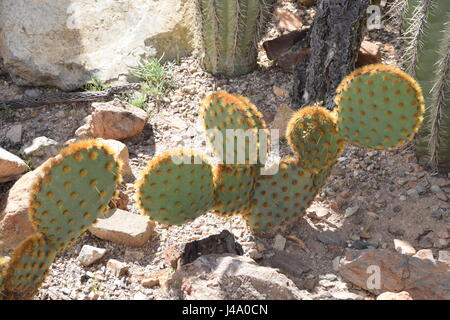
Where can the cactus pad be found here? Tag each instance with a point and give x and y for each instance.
(379, 107)
(76, 186)
(228, 115)
(313, 136)
(172, 191)
(28, 267)
(234, 188)
(281, 197)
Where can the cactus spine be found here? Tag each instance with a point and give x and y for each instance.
(229, 32)
(72, 190)
(427, 57)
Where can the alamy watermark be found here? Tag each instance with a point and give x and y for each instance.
(374, 18)
(239, 146)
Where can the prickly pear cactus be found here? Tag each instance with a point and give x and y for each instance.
(229, 32)
(28, 267)
(426, 56)
(76, 187)
(281, 197)
(233, 126)
(4, 261)
(313, 136)
(379, 107)
(72, 190)
(234, 188)
(176, 187)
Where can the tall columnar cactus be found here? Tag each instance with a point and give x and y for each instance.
(67, 197)
(426, 56)
(229, 32)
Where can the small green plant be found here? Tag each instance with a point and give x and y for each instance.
(94, 85)
(6, 112)
(157, 77)
(138, 99)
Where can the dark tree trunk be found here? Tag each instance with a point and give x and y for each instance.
(336, 35)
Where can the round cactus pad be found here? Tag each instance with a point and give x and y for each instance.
(281, 197)
(28, 267)
(176, 187)
(313, 136)
(234, 188)
(75, 188)
(232, 125)
(379, 107)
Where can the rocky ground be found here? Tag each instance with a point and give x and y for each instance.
(370, 199)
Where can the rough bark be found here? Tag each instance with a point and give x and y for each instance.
(336, 35)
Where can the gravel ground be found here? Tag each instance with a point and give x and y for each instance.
(367, 201)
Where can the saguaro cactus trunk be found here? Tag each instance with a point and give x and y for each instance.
(427, 57)
(335, 38)
(229, 31)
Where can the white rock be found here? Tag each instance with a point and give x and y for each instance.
(404, 247)
(279, 242)
(336, 262)
(89, 255)
(123, 227)
(346, 296)
(350, 211)
(14, 134)
(140, 296)
(424, 254)
(117, 267)
(66, 43)
(40, 150)
(444, 256)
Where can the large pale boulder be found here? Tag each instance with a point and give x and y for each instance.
(67, 42)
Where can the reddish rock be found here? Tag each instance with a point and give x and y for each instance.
(369, 53)
(15, 225)
(230, 277)
(424, 279)
(282, 118)
(113, 120)
(123, 227)
(308, 3)
(120, 202)
(289, 49)
(11, 166)
(287, 21)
